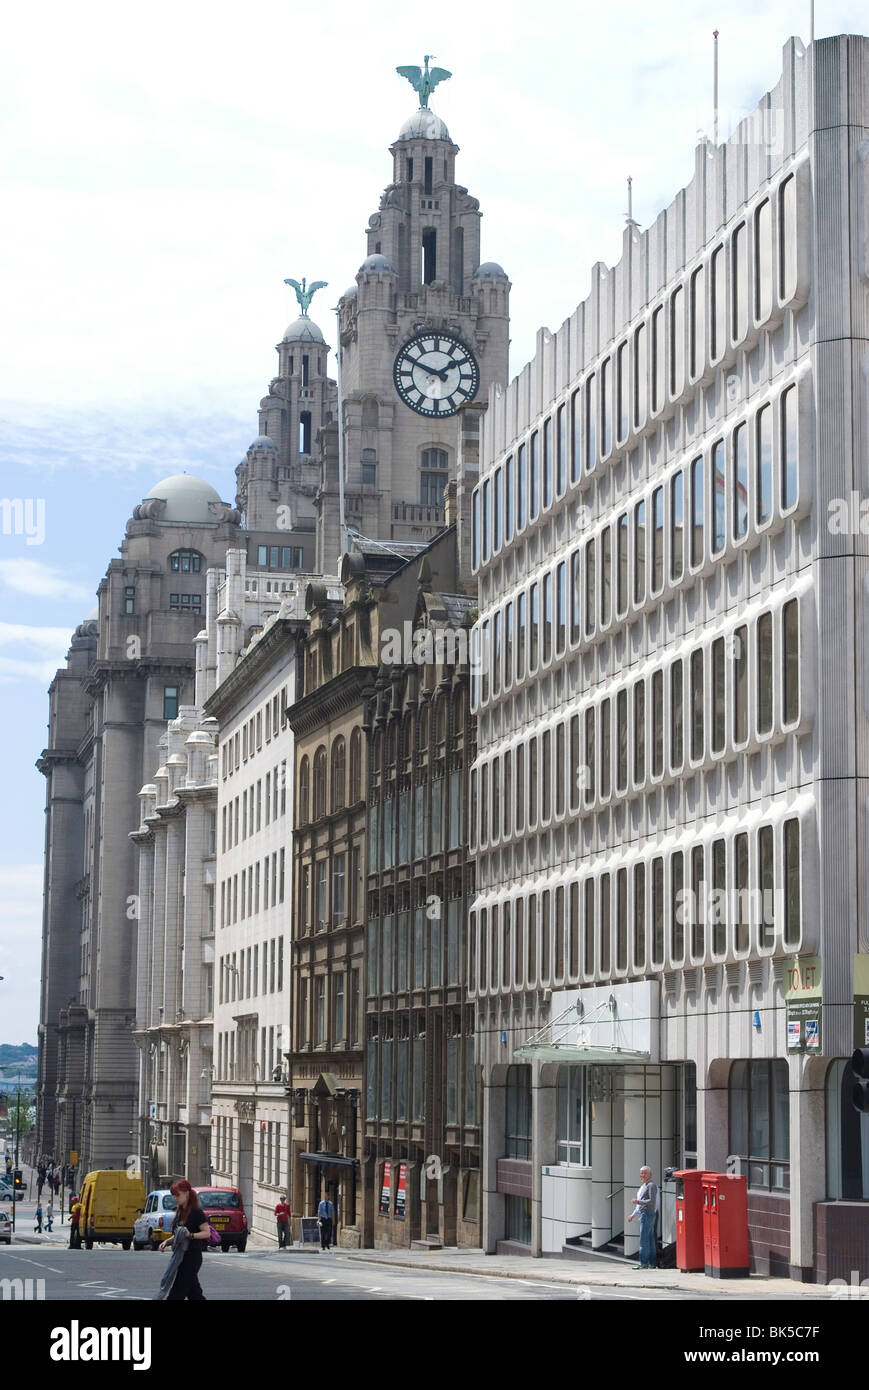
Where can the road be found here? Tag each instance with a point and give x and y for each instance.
(114, 1274)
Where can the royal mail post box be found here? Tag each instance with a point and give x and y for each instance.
(690, 1255)
(725, 1225)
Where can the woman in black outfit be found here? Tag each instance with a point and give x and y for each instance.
(190, 1215)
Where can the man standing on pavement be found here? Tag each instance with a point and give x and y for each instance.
(282, 1216)
(326, 1218)
(646, 1203)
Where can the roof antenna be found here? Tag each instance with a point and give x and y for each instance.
(715, 91)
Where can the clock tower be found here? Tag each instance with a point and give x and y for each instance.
(424, 329)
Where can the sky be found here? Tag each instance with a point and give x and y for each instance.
(164, 168)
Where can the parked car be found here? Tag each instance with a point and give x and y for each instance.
(111, 1198)
(154, 1223)
(8, 1193)
(5, 1228)
(224, 1208)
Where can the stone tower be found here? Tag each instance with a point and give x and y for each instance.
(279, 477)
(424, 329)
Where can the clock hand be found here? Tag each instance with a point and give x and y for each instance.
(442, 372)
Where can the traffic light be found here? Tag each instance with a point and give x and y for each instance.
(860, 1068)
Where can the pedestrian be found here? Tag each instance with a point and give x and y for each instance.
(40, 1183)
(38, 1226)
(325, 1219)
(190, 1234)
(56, 1184)
(49, 1215)
(646, 1204)
(282, 1216)
(74, 1218)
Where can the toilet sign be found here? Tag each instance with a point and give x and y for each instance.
(861, 1001)
(803, 999)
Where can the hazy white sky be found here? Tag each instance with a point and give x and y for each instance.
(164, 168)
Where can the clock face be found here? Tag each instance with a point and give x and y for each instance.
(435, 373)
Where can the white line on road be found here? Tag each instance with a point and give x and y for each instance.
(38, 1263)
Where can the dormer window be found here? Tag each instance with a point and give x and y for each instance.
(185, 561)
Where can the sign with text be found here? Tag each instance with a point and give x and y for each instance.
(401, 1191)
(803, 1000)
(385, 1189)
(861, 1001)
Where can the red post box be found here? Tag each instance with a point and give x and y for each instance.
(689, 1220)
(725, 1225)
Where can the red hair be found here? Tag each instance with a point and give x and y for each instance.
(184, 1195)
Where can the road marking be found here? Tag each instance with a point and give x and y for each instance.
(38, 1263)
(327, 1281)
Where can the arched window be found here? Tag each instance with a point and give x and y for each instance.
(319, 783)
(433, 477)
(304, 780)
(338, 774)
(185, 561)
(355, 766)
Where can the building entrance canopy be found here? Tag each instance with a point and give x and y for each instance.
(613, 1026)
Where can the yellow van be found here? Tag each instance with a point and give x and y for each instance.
(111, 1199)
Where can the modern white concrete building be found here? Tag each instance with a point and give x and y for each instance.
(672, 726)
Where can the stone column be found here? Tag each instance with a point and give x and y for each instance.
(494, 1120)
(808, 1156)
(544, 1101)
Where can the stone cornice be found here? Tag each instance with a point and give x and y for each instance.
(262, 654)
(332, 699)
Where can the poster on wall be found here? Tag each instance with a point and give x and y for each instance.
(803, 1001)
(385, 1189)
(401, 1191)
(861, 1001)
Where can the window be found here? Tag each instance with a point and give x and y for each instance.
(170, 702)
(338, 778)
(534, 475)
(517, 1137)
(622, 565)
(521, 485)
(606, 407)
(793, 928)
(561, 447)
(763, 284)
(496, 511)
(623, 387)
(321, 868)
(185, 603)
(676, 528)
(788, 239)
(847, 1138)
(698, 322)
(740, 481)
(338, 900)
(185, 562)
(369, 475)
(590, 423)
(571, 1125)
(764, 465)
(576, 432)
(790, 662)
(319, 809)
(719, 515)
(561, 608)
(676, 716)
(641, 367)
(697, 551)
(304, 778)
(657, 540)
(433, 478)
(739, 279)
(718, 326)
(658, 358)
(547, 461)
(677, 342)
(697, 705)
(639, 552)
(717, 695)
(508, 499)
(789, 467)
(129, 598)
(764, 673)
(759, 1106)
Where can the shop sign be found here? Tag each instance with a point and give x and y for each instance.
(803, 1002)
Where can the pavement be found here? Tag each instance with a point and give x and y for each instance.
(584, 1271)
